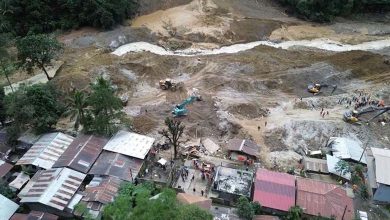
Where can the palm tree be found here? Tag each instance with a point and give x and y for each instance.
(76, 107)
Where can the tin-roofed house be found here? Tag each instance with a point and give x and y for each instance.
(99, 192)
(130, 144)
(52, 191)
(46, 151)
(378, 163)
(318, 198)
(347, 149)
(243, 149)
(81, 153)
(34, 215)
(7, 207)
(117, 165)
(274, 191)
(27, 139)
(5, 169)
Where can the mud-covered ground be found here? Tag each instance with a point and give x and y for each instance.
(242, 91)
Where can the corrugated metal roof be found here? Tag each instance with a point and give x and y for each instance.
(325, 199)
(331, 163)
(46, 151)
(118, 165)
(19, 181)
(103, 190)
(315, 165)
(82, 153)
(210, 146)
(29, 137)
(199, 201)
(54, 187)
(382, 163)
(34, 215)
(346, 148)
(130, 144)
(4, 168)
(382, 194)
(274, 190)
(244, 145)
(7, 207)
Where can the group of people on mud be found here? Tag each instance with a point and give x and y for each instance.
(361, 100)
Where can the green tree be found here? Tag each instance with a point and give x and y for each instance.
(83, 210)
(244, 208)
(105, 113)
(294, 213)
(76, 108)
(5, 190)
(37, 50)
(173, 133)
(35, 106)
(6, 69)
(192, 212)
(342, 167)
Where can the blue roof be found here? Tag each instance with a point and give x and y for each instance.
(382, 194)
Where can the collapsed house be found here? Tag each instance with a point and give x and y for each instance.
(20, 180)
(242, 149)
(99, 192)
(7, 207)
(53, 191)
(274, 191)
(46, 151)
(332, 162)
(378, 161)
(229, 184)
(347, 149)
(27, 139)
(81, 153)
(318, 198)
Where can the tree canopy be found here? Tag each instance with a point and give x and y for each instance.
(247, 209)
(37, 50)
(22, 17)
(144, 202)
(325, 11)
(35, 106)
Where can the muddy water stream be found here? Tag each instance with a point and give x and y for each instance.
(323, 44)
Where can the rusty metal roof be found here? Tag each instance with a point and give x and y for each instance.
(315, 165)
(46, 151)
(34, 215)
(244, 145)
(325, 199)
(54, 187)
(82, 153)
(102, 189)
(4, 168)
(118, 165)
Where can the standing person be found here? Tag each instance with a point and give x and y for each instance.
(265, 124)
(202, 192)
(327, 112)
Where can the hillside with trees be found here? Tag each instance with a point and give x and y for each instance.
(325, 11)
(22, 17)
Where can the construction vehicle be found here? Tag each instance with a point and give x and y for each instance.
(170, 84)
(180, 109)
(352, 116)
(315, 88)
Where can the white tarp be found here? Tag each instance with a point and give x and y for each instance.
(346, 148)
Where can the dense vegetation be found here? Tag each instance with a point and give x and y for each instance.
(144, 201)
(22, 17)
(325, 11)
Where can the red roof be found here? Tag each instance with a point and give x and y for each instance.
(34, 215)
(274, 190)
(325, 199)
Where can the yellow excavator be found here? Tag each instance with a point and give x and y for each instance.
(315, 88)
(170, 84)
(352, 116)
